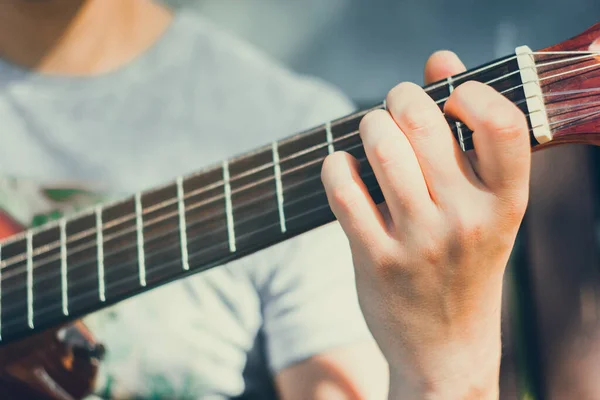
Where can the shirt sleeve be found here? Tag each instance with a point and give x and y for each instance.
(309, 300)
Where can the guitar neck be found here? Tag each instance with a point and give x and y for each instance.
(75, 266)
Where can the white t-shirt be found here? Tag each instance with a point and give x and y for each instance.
(196, 97)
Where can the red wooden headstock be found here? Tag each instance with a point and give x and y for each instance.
(569, 75)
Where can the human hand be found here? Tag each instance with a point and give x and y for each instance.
(430, 261)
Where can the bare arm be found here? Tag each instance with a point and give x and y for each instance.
(354, 372)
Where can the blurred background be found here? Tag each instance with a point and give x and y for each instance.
(551, 345)
(365, 47)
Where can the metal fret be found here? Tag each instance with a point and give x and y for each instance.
(182, 224)
(63, 266)
(140, 238)
(329, 137)
(228, 207)
(279, 187)
(30, 279)
(100, 248)
(461, 139)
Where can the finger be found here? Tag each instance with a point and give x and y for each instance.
(441, 65)
(395, 165)
(350, 201)
(423, 123)
(501, 135)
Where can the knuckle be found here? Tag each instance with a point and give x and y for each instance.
(345, 198)
(416, 118)
(383, 258)
(420, 114)
(505, 120)
(468, 229)
(432, 242)
(432, 251)
(388, 264)
(383, 154)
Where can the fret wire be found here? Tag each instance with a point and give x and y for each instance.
(384, 105)
(291, 170)
(294, 217)
(100, 253)
(229, 207)
(279, 187)
(140, 238)
(308, 195)
(329, 137)
(212, 186)
(348, 135)
(182, 225)
(30, 279)
(461, 139)
(63, 266)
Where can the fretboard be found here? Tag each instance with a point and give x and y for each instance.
(75, 266)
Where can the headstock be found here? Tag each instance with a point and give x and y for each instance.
(569, 75)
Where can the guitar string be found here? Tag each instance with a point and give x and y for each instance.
(49, 247)
(9, 262)
(150, 222)
(540, 79)
(270, 195)
(575, 120)
(116, 222)
(558, 121)
(175, 246)
(270, 164)
(475, 71)
(430, 87)
(177, 260)
(48, 310)
(356, 115)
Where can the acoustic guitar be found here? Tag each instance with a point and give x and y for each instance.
(53, 275)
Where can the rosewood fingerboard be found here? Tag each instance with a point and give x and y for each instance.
(65, 270)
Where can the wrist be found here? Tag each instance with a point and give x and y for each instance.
(472, 385)
(462, 371)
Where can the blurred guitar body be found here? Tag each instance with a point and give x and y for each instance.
(58, 364)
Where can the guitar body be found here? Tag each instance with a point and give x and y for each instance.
(59, 364)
